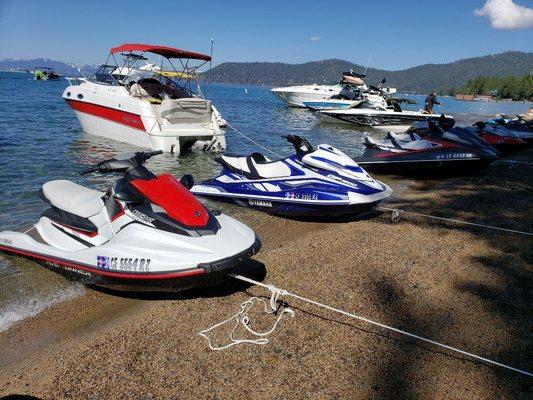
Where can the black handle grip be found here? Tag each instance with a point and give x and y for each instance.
(148, 154)
(89, 170)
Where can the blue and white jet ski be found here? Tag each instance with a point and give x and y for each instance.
(313, 182)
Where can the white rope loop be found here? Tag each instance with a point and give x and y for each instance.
(242, 319)
(277, 293)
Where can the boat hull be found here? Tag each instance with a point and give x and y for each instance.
(396, 121)
(296, 96)
(110, 112)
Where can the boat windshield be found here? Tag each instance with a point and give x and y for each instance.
(141, 72)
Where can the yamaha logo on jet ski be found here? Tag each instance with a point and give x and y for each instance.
(85, 234)
(343, 181)
(321, 182)
(259, 203)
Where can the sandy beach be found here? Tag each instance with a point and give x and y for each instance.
(463, 286)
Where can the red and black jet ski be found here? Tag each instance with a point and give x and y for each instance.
(436, 153)
(505, 140)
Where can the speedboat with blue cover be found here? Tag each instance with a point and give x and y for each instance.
(314, 182)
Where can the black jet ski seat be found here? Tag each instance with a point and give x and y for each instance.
(72, 198)
(255, 166)
(400, 142)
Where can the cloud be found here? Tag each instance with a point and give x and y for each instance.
(316, 38)
(505, 14)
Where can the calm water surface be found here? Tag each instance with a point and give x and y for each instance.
(41, 140)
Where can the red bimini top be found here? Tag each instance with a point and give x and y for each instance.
(167, 52)
(175, 199)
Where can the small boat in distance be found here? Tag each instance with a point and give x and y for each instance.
(350, 89)
(45, 74)
(147, 102)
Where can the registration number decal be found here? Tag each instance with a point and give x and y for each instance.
(454, 156)
(124, 263)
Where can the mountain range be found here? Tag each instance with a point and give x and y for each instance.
(59, 66)
(420, 79)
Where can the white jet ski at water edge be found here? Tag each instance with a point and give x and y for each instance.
(321, 182)
(146, 232)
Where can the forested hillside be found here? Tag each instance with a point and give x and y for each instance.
(423, 78)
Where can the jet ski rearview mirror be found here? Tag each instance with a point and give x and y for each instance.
(301, 145)
(187, 181)
(121, 164)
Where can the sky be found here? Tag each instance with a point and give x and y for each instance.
(396, 34)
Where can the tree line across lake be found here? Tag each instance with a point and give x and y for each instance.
(509, 87)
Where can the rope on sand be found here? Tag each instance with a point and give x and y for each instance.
(242, 319)
(397, 212)
(276, 293)
(253, 141)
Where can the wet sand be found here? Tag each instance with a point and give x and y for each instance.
(466, 287)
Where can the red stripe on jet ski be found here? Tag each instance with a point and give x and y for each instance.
(96, 271)
(111, 114)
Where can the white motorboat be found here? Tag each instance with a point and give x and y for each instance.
(146, 105)
(349, 93)
(295, 96)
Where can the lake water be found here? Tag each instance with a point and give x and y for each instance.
(41, 140)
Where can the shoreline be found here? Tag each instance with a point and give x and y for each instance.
(442, 281)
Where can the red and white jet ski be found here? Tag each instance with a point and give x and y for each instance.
(146, 232)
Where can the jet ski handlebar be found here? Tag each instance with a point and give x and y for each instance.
(121, 165)
(301, 145)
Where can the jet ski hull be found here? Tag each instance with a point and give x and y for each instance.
(204, 274)
(299, 210)
(313, 183)
(428, 168)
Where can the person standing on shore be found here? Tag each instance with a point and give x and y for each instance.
(430, 101)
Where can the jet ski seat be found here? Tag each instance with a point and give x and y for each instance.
(73, 198)
(255, 166)
(398, 142)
